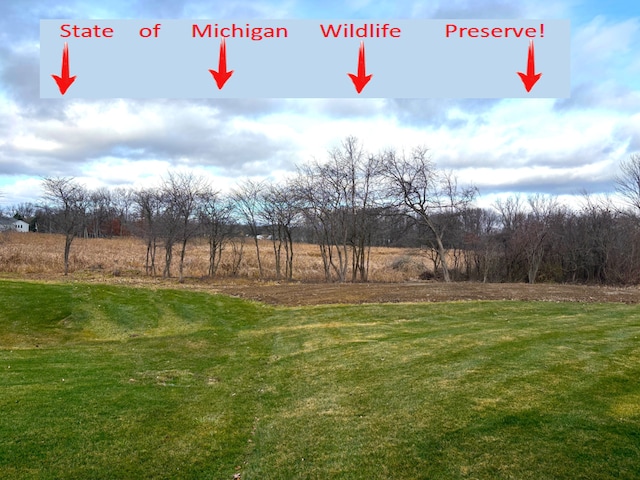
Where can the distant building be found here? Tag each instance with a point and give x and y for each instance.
(11, 224)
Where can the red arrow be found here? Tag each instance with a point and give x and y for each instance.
(65, 81)
(531, 77)
(221, 76)
(362, 79)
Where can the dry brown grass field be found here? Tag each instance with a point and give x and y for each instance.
(42, 254)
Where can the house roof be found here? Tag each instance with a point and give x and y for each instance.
(10, 221)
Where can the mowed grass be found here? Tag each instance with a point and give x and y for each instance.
(118, 382)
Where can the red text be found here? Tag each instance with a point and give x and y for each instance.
(368, 30)
(96, 31)
(452, 30)
(237, 31)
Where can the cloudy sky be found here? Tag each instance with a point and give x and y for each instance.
(555, 146)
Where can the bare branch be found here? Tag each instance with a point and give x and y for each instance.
(628, 181)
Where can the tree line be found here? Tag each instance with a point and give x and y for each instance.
(350, 202)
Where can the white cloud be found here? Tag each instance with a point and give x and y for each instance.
(601, 40)
(120, 172)
(20, 190)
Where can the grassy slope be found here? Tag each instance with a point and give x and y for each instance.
(110, 382)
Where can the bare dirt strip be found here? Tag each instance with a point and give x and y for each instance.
(316, 294)
(295, 293)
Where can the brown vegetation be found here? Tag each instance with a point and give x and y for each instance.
(42, 254)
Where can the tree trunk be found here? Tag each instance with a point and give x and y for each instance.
(215, 251)
(277, 254)
(443, 259)
(67, 248)
(182, 254)
(255, 239)
(168, 255)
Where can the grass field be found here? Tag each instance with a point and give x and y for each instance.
(124, 257)
(104, 381)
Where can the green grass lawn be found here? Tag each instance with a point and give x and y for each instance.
(125, 383)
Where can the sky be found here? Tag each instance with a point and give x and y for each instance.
(562, 146)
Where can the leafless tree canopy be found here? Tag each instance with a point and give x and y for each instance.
(340, 200)
(247, 198)
(430, 196)
(69, 201)
(348, 202)
(628, 181)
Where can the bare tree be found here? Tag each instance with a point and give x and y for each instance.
(280, 209)
(100, 213)
(169, 222)
(628, 181)
(149, 211)
(237, 254)
(364, 192)
(339, 199)
(215, 217)
(319, 213)
(182, 192)
(247, 197)
(538, 228)
(527, 234)
(22, 211)
(512, 214)
(123, 200)
(430, 196)
(479, 242)
(69, 200)
(607, 244)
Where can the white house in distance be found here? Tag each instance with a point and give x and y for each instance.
(7, 224)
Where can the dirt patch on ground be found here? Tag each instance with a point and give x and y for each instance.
(295, 294)
(317, 294)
